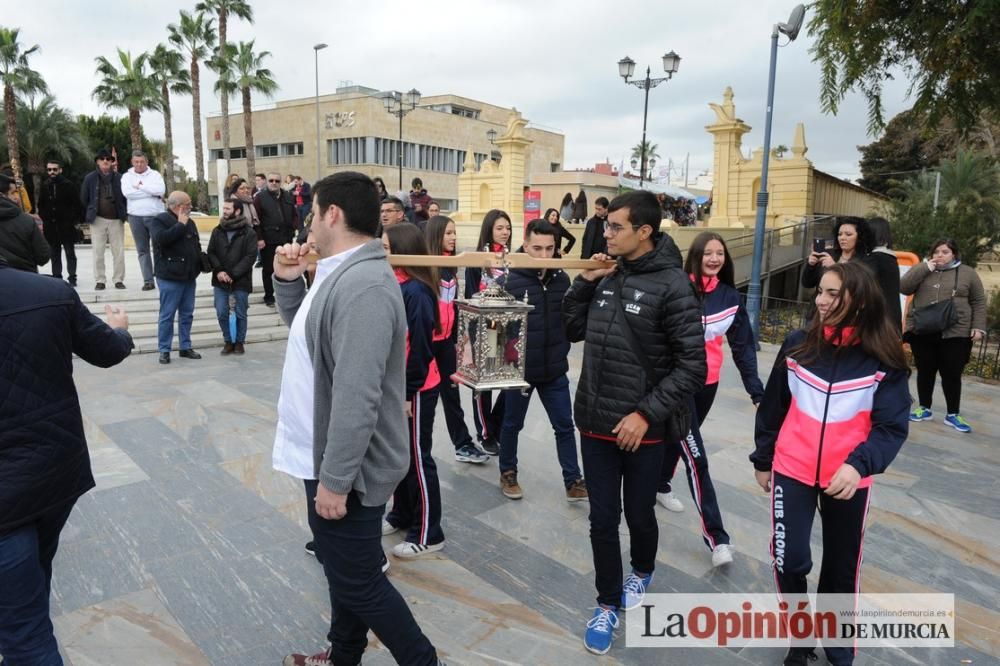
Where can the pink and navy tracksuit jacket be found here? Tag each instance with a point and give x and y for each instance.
(724, 316)
(841, 407)
(447, 309)
(421, 368)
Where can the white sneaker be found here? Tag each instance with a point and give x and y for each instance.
(388, 528)
(408, 550)
(722, 554)
(669, 502)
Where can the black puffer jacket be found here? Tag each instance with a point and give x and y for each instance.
(546, 344)
(665, 315)
(21, 242)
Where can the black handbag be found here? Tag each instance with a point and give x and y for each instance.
(936, 317)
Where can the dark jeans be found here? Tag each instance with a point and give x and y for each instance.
(488, 415)
(176, 297)
(612, 476)
(793, 506)
(933, 355)
(555, 398)
(26, 637)
(267, 270)
(222, 312)
(59, 241)
(140, 234)
(361, 597)
(454, 417)
(416, 504)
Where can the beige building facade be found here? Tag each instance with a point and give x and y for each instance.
(357, 134)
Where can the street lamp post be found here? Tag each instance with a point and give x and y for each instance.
(316, 49)
(791, 29)
(396, 105)
(626, 67)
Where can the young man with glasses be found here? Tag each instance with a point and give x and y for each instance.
(59, 208)
(279, 220)
(106, 211)
(644, 354)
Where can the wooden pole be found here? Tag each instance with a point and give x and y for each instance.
(479, 260)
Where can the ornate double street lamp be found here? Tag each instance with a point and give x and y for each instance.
(652, 165)
(398, 104)
(626, 67)
(791, 29)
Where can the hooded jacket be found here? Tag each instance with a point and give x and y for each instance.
(664, 314)
(22, 244)
(546, 345)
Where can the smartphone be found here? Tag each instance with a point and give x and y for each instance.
(821, 245)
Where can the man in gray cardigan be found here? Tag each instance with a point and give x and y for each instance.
(341, 414)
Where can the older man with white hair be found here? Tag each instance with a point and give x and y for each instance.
(143, 189)
(176, 265)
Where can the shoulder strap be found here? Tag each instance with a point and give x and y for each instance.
(955, 290)
(631, 340)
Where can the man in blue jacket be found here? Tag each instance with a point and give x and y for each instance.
(545, 367)
(44, 462)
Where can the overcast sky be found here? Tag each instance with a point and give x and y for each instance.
(555, 61)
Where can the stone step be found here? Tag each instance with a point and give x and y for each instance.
(205, 322)
(203, 310)
(212, 339)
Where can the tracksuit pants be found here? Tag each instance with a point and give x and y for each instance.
(692, 451)
(793, 506)
(487, 415)
(416, 504)
(454, 417)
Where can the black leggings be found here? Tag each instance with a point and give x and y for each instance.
(935, 355)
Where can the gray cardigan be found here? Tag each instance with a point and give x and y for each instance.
(356, 334)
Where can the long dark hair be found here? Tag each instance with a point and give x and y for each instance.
(408, 239)
(486, 231)
(866, 239)
(861, 309)
(692, 264)
(434, 231)
(551, 210)
(568, 199)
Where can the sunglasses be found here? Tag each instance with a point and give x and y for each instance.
(274, 180)
(104, 159)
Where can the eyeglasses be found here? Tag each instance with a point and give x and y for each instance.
(615, 229)
(274, 180)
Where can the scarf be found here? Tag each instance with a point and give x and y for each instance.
(234, 223)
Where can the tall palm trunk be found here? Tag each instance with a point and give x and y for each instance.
(224, 100)
(35, 169)
(199, 148)
(248, 133)
(135, 129)
(168, 139)
(10, 114)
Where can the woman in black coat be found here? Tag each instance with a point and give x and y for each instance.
(232, 251)
(552, 217)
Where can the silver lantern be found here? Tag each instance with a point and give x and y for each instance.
(492, 326)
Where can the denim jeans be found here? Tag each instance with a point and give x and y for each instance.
(555, 398)
(140, 234)
(222, 312)
(25, 579)
(361, 597)
(614, 475)
(176, 298)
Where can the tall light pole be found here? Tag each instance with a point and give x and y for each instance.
(319, 173)
(626, 67)
(399, 105)
(754, 290)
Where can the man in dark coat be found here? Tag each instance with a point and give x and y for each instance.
(44, 462)
(22, 245)
(594, 241)
(176, 265)
(59, 208)
(279, 220)
(105, 210)
(644, 355)
(232, 250)
(546, 365)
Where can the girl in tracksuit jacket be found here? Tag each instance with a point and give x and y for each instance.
(494, 236)
(710, 268)
(834, 414)
(416, 504)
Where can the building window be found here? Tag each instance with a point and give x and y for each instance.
(554, 166)
(215, 154)
(289, 149)
(269, 150)
(237, 153)
(464, 112)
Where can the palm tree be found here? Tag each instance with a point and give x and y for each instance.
(222, 9)
(46, 131)
(195, 35)
(127, 88)
(246, 73)
(650, 150)
(18, 79)
(168, 71)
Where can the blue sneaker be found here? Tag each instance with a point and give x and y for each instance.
(601, 630)
(921, 414)
(958, 423)
(634, 590)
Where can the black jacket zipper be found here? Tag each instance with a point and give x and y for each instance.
(826, 409)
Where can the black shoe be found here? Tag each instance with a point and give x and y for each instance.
(189, 353)
(147, 286)
(72, 280)
(99, 286)
(164, 357)
(269, 302)
(119, 285)
(799, 656)
(490, 447)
